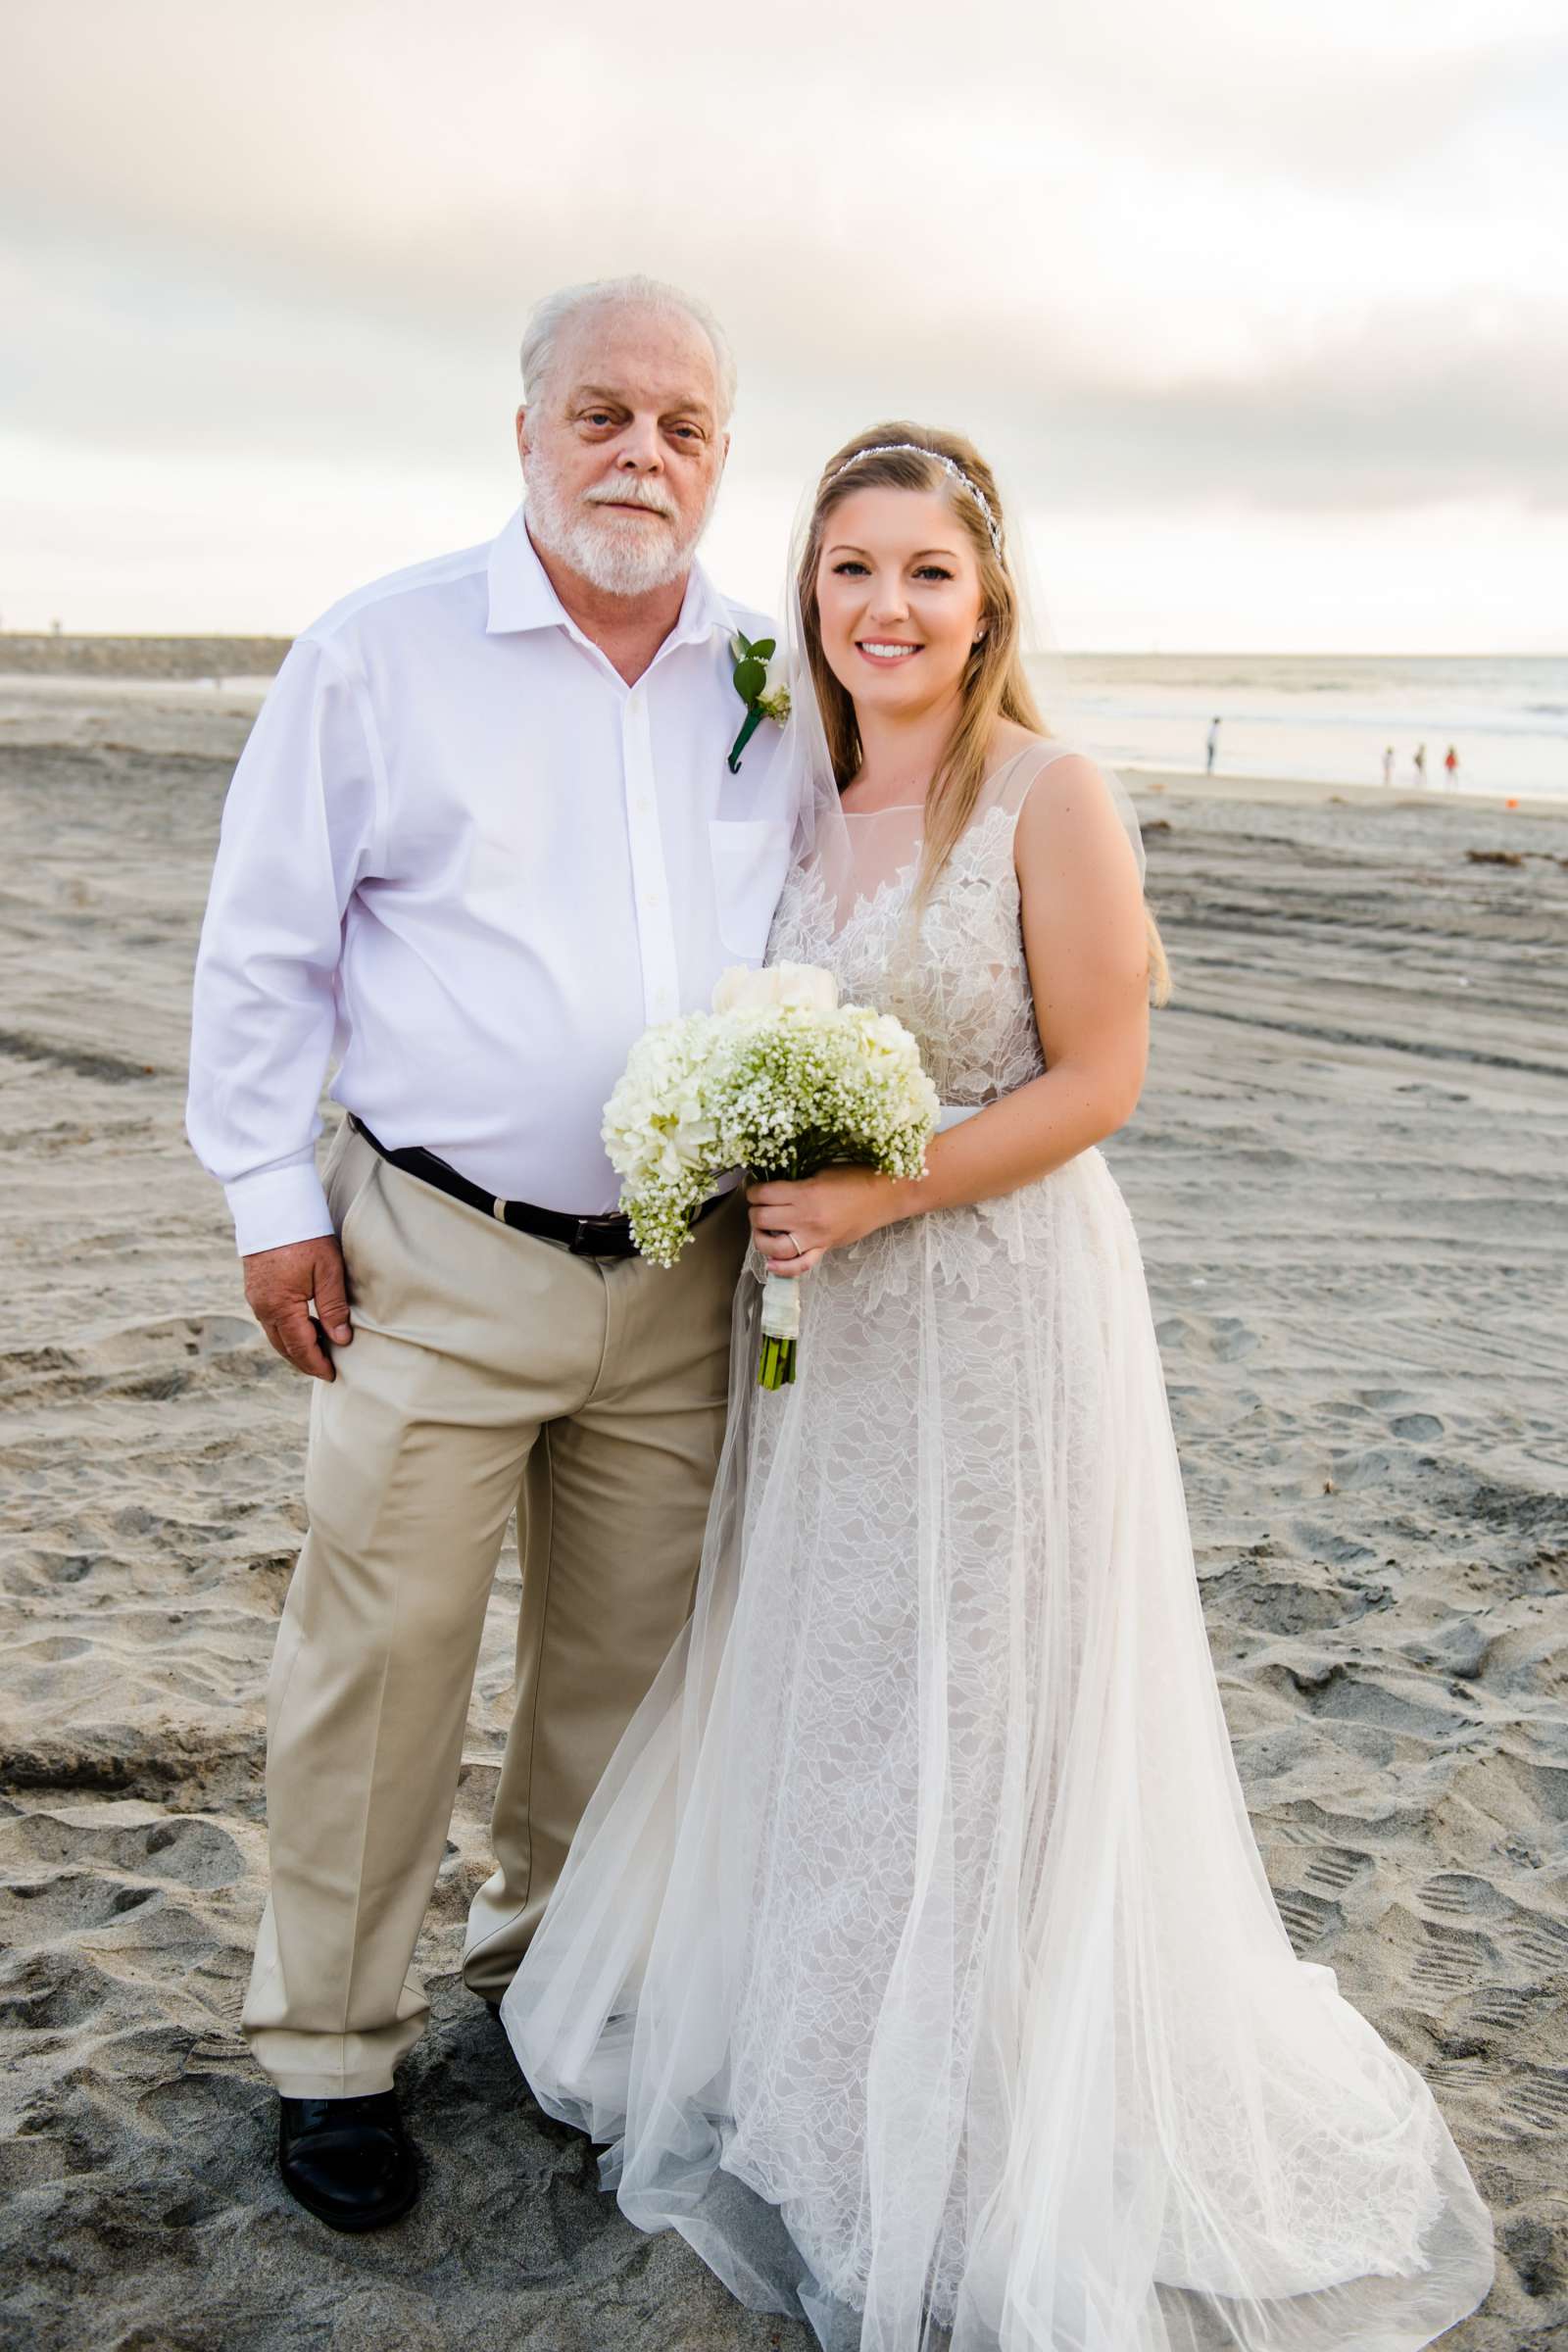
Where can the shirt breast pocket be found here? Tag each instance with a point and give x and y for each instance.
(751, 857)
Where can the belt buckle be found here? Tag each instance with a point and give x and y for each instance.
(588, 1228)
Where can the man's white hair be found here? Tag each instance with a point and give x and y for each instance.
(548, 316)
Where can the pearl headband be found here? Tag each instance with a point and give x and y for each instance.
(913, 449)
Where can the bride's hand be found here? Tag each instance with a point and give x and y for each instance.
(795, 1224)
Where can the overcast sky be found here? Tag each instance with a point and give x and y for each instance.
(1261, 309)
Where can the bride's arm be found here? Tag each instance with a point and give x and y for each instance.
(1085, 943)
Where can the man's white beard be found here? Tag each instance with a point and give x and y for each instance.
(618, 556)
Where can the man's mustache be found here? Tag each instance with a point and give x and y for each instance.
(630, 494)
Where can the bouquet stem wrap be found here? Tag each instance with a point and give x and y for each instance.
(781, 1330)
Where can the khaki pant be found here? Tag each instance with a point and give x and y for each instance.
(488, 1368)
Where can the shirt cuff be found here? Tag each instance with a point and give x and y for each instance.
(277, 1206)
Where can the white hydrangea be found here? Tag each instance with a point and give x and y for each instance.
(802, 987)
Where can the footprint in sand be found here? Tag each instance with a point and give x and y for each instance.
(1320, 1542)
(159, 1358)
(51, 1990)
(126, 1837)
(1537, 2099)
(1453, 1959)
(1460, 1647)
(1541, 1941)
(1276, 1606)
(1455, 1895)
(37, 1911)
(1230, 1338)
(1223, 1339)
(1474, 2072)
(1308, 1919)
(50, 1649)
(1502, 2005)
(1337, 1867)
(1518, 1942)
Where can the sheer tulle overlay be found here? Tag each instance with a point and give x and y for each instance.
(914, 1957)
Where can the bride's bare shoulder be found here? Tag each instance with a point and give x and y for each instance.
(1009, 742)
(1025, 768)
(1069, 819)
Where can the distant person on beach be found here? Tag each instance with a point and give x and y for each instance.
(1451, 763)
(1211, 748)
(1419, 763)
(1388, 765)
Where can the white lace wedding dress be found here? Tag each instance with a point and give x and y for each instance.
(915, 1956)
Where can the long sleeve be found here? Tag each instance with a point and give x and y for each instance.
(300, 827)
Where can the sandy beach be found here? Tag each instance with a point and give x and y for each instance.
(1347, 1176)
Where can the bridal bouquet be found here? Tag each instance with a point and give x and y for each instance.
(780, 1079)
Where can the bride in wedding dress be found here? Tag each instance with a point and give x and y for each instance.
(914, 1958)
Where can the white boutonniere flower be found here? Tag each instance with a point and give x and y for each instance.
(759, 676)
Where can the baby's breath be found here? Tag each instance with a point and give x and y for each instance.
(781, 1092)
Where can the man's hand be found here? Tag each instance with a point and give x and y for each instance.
(280, 1288)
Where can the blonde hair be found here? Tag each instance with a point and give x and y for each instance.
(993, 686)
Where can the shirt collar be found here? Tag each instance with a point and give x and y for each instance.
(521, 595)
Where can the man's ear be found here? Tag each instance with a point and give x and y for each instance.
(522, 435)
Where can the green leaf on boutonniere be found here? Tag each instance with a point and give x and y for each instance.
(749, 674)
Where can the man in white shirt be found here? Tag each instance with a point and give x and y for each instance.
(483, 833)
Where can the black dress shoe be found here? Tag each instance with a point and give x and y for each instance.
(348, 2161)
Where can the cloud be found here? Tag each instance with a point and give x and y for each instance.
(1241, 253)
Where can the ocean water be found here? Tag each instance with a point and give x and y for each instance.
(1323, 717)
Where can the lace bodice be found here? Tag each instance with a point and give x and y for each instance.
(960, 984)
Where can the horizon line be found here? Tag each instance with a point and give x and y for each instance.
(1033, 652)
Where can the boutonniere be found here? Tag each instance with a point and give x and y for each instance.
(760, 689)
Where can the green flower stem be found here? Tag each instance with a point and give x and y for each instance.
(775, 1365)
(754, 719)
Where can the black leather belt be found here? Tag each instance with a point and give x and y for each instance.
(585, 1236)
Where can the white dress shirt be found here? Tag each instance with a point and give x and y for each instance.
(460, 853)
